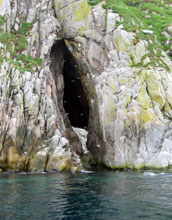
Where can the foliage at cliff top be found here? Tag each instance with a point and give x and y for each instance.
(15, 43)
(139, 15)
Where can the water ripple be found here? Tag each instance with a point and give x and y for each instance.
(86, 196)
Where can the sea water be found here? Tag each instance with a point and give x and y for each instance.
(98, 195)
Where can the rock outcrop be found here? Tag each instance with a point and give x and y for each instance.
(125, 108)
(35, 136)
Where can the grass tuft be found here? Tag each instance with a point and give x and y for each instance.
(138, 15)
(15, 43)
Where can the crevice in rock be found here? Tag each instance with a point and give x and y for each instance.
(74, 98)
(70, 92)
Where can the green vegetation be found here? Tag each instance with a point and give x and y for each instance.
(93, 2)
(1, 21)
(15, 43)
(138, 15)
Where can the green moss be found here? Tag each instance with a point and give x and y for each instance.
(24, 29)
(0, 2)
(143, 98)
(93, 2)
(81, 11)
(147, 115)
(138, 15)
(140, 167)
(57, 4)
(16, 43)
(66, 165)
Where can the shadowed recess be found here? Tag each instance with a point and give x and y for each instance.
(74, 99)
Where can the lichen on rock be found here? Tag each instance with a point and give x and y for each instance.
(124, 85)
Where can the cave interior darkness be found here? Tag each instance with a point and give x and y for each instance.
(75, 102)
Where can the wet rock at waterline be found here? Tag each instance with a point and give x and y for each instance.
(63, 66)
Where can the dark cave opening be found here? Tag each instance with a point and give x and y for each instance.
(75, 102)
(74, 99)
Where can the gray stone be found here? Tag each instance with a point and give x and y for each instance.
(129, 107)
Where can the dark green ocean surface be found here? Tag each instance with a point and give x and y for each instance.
(101, 195)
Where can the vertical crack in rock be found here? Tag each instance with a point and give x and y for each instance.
(70, 91)
(70, 98)
(74, 98)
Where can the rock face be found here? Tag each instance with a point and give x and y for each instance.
(35, 136)
(126, 110)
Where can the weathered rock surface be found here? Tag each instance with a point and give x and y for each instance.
(34, 136)
(130, 108)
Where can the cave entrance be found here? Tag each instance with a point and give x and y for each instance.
(74, 98)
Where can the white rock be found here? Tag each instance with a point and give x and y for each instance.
(147, 31)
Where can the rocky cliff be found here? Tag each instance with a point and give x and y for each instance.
(68, 69)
